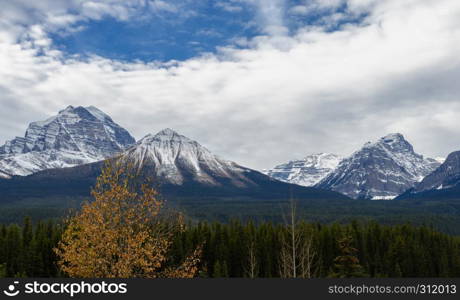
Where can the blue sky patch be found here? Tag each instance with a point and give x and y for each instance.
(162, 37)
(191, 29)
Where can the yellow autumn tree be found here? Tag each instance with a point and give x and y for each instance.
(120, 233)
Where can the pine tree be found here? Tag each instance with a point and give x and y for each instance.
(217, 270)
(2, 270)
(14, 263)
(397, 272)
(347, 263)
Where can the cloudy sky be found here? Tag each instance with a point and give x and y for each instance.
(256, 81)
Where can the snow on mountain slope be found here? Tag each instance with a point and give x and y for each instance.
(308, 171)
(440, 160)
(4, 175)
(444, 177)
(77, 135)
(380, 170)
(178, 167)
(176, 159)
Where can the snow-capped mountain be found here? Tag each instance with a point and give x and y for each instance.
(308, 171)
(179, 167)
(380, 170)
(175, 159)
(444, 177)
(77, 135)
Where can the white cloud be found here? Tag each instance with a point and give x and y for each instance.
(300, 10)
(229, 6)
(54, 15)
(272, 15)
(284, 97)
(158, 5)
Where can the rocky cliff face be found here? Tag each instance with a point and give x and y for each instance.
(77, 135)
(308, 171)
(444, 177)
(380, 170)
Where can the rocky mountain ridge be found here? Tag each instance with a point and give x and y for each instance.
(380, 170)
(75, 136)
(308, 171)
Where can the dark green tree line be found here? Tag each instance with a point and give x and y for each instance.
(27, 251)
(254, 250)
(354, 250)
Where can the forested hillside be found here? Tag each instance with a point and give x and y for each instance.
(250, 250)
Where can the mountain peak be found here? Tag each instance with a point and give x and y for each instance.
(76, 113)
(392, 137)
(74, 136)
(394, 142)
(67, 109)
(176, 159)
(168, 132)
(389, 139)
(165, 135)
(380, 170)
(96, 112)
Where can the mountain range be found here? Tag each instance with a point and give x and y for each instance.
(380, 170)
(308, 171)
(81, 140)
(443, 183)
(66, 152)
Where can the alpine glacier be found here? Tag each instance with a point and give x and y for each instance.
(308, 171)
(76, 135)
(380, 170)
(175, 158)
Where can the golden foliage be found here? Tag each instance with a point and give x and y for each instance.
(119, 234)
